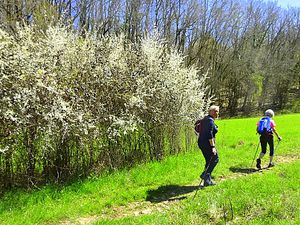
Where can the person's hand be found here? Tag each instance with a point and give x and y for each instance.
(279, 138)
(214, 150)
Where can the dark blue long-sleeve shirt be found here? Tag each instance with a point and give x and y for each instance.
(208, 131)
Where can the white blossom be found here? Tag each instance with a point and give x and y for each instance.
(4, 150)
(63, 83)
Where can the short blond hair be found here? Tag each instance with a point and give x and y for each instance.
(213, 108)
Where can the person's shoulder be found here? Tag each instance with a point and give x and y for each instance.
(208, 117)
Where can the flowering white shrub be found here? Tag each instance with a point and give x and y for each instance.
(58, 89)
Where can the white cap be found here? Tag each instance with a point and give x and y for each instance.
(269, 113)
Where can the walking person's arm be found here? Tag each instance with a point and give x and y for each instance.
(275, 132)
(273, 125)
(214, 113)
(211, 138)
(213, 147)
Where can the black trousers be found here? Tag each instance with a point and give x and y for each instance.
(264, 140)
(211, 160)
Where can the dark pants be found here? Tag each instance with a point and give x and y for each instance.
(264, 140)
(211, 160)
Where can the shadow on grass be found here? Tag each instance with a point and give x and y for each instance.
(242, 170)
(169, 193)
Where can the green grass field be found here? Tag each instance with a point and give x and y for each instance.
(163, 192)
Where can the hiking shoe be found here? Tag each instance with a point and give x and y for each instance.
(271, 164)
(258, 166)
(209, 183)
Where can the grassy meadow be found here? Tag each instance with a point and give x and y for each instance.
(165, 192)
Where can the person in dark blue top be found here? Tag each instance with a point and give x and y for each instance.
(206, 142)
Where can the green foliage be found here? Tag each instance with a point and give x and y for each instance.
(295, 106)
(257, 79)
(268, 197)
